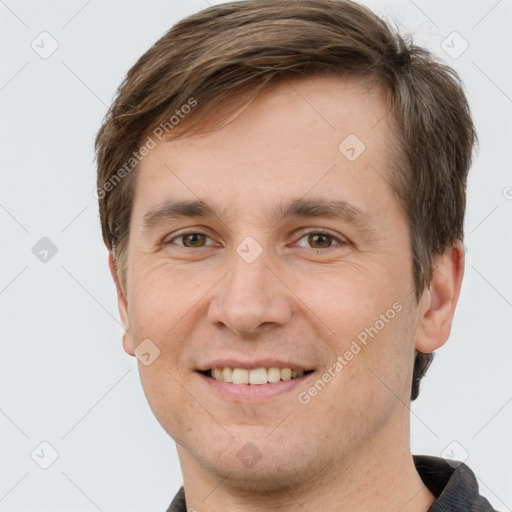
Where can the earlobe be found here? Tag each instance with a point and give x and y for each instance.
(440, 300)
(122, 304)
(128, 344)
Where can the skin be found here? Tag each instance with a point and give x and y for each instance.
(301, 299)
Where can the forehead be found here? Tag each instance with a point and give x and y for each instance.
(324, 135)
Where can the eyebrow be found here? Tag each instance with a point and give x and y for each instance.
(297, 208)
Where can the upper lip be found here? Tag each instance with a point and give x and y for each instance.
(251, 365)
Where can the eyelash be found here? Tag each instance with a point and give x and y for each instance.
(304, 234)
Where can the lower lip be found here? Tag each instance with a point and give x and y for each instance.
(252, 392)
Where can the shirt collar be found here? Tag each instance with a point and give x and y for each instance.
(452, 483)
(454, 487)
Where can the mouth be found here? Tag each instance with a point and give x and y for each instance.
(255, 376)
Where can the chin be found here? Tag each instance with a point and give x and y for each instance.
(263, 463)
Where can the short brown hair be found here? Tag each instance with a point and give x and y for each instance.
(219, 59)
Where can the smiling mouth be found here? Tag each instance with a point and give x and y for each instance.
(256, 376)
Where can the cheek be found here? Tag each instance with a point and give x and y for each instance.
(162, 295)
(162, 312)
(348, 298)
(364, 318)
(383, 366)
(165, 391)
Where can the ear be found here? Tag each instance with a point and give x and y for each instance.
(122, 304)
(439, 301)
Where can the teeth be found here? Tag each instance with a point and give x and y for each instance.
(240, 376)
(256, 376)
(286, 374)
(227, 374)
(273, 375)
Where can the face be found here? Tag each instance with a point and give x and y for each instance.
(302, 264)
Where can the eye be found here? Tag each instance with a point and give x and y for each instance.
(314, 239)
(320, 239)
(190, 239)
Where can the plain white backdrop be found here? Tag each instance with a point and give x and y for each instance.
(65, 380)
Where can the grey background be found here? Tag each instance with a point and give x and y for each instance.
(64, 377)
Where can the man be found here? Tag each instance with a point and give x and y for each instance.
(282, 192)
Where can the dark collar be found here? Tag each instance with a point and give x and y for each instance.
(453, 484)
(455, 488)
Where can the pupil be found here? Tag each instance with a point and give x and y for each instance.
(312, 237)
(194, 236)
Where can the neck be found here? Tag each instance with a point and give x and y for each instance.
(379, 476)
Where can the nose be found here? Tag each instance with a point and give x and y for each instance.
(249, 297)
